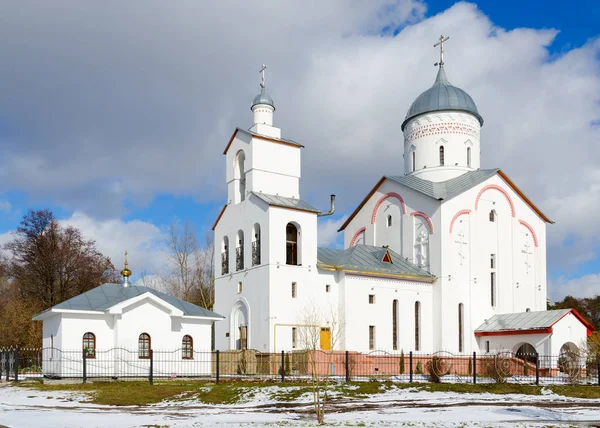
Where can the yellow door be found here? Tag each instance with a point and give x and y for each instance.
(325, 339)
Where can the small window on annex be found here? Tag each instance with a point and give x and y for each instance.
(187, 348)
(89, 345)
(294, 337)
(414, 161)
(293, 290)
(371, 299)
(327, 288)
(144, 346)
(371, 337)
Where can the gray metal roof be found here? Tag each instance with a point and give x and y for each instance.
(281, 201)
(106, 296)
(442, 96)
(256, 134)
(368, 259)
(444, 189)
(522, 321)
(263, 98)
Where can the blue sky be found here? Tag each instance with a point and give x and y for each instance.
(118, 123)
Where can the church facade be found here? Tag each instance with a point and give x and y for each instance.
(445, 257)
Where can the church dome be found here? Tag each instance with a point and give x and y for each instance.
(263, 98)
(442, 96)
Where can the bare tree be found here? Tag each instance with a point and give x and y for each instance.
(190, 272)
(312, 322)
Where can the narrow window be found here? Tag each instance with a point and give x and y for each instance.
(291, 241)
(240, 287)
(187, 348)
(417, 326)
(371, 299)
(293, 337)
(527, 310)
(487, 346)
(256, 245)
(389, 221)
(293, 290)
(395, 325)
(371, 337)
(225, 256)
(239, 251)
(144, 346)
(493, 280)
(441, 155)
(89, 345)
(492, 261)
(492, 216)
(327, 287)
(468, 156)
(414, 160)
(460, 327)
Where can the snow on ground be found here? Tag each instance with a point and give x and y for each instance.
(23, 407)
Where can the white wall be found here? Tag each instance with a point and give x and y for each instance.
(455, 131)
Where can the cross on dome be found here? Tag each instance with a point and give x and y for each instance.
(441, 45)
(262, 75)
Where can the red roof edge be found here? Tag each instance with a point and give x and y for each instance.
(581, 318)
(513, 332)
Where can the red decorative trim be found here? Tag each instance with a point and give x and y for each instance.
(457, 215)
(356, 235)
(513, 332)
(528, 226)
(383, 198)
(422, 214)
(501, 190)
(580, 317)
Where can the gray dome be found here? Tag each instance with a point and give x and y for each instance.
(442, 96)
(263, 98)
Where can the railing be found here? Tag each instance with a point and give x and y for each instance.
(121, 363)
(255, 253)
(239, 258)
(224, 263)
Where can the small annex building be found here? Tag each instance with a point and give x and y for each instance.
(123, 322)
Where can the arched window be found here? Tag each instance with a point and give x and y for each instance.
(144, 346)
(239, 251)
(239, 174)
(256, 245)
(461, 319)
(291, 245)
(395, 325)
(187, 348)
(417, 326)
(492, 216)
(468, 156)
(414, 161)
(441, 155)
(389, 221)
(225, 256)
(89, 345)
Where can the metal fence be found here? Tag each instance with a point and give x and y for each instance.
(298, 365)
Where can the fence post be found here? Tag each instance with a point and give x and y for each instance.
(84, 366)
(347, 367)
(151, 374)
(7, 363)
(598, 367)
(1, 365)
(282, 366)
(17, 364)
(410, 363)
(537, 370)
(217, 368)
(474, 368)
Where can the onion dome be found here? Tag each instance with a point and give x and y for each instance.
(442, 96)
(126, 273)
(263, 98)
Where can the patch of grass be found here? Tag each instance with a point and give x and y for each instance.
(362, 389)
(290, 393)
(576, 391)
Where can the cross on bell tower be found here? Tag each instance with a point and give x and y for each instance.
(441, 45)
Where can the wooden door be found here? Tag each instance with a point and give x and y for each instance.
(325, 338)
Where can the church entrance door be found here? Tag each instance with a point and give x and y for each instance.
(325, 338)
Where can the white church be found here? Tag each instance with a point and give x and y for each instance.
(445, 256)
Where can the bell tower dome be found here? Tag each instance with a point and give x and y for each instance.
(441, 130)
(263, 108)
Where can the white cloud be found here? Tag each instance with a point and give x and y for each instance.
(148, 101)
(144, 241)
(5, 206)
(585, 286)
(327, 235)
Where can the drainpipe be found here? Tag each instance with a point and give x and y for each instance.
(331, 211)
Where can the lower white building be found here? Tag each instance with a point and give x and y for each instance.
(117, 325)
(433, 255)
